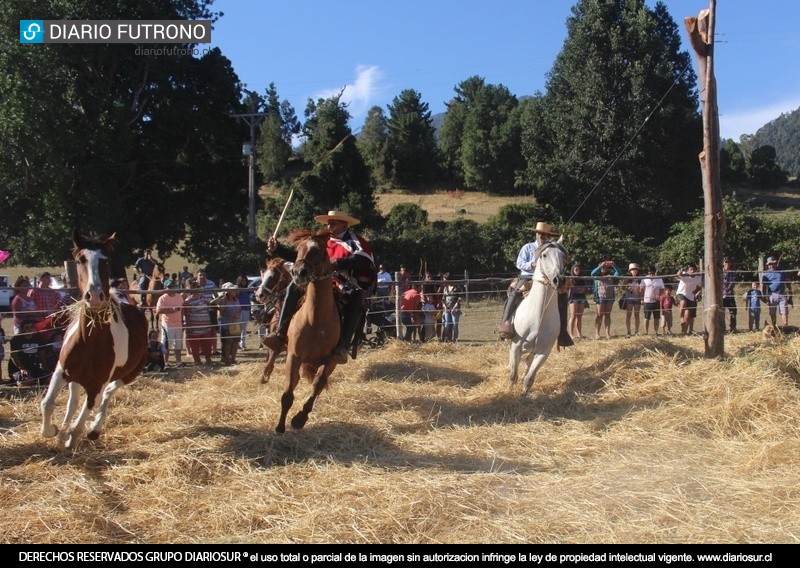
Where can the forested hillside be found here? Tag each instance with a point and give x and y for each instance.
(151, 148)
(783, 134)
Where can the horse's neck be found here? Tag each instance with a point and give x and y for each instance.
(319, 296)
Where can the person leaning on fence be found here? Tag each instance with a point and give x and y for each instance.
(604, 295)
(526, 262)
(689, 285)
(777, 290)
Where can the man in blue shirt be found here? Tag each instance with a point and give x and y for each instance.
(777, 290)
(526, 262)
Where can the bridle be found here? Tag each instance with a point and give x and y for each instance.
(556, 282)
(304, 272)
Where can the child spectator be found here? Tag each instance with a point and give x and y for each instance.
(428, 328)
(156, 353)
(752, 299)
(667, 303)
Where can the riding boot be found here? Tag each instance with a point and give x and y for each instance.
(277, 340)
(564, 339)
(351, 316)
(506, 329)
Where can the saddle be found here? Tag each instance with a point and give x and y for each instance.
(524, 288)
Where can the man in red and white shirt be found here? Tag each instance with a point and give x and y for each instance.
(355, 276)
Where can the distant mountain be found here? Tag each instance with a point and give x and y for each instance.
(783, 134)
(436, 121)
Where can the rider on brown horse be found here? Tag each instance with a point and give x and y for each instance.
(354, 265)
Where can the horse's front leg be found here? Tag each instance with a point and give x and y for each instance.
(80, 423)
(100, 417)
(514, 355)
(287, 398)
(537, 360)
(269, 366)
(319, 383)
(49, 402)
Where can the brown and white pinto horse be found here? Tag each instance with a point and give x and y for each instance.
(315, 327)
(274, 280)
(105, 346)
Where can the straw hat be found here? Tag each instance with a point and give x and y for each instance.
(228, 285)
(772, 260)
(633, 266)
(546, 228)
(337, 216)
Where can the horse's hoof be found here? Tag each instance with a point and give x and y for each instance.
(93, 435)
(280, 429)
(299, 421)
(49, 431)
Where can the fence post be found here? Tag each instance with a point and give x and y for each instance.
(466, 287)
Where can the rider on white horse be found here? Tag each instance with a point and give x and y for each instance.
(526, 262)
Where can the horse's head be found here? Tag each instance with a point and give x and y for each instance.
(551, 257)
(91, 253)
(274, 279)
(312, 261)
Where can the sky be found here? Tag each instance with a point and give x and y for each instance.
(374, 49)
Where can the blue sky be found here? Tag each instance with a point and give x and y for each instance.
(376, 49)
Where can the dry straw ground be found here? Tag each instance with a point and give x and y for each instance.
(635, 440)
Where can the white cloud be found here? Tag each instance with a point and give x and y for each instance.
(361, 92)
(734, 124)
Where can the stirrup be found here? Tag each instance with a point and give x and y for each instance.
(275, 342)
(506, 330)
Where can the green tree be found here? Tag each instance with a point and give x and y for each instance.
(490, 145)
(105, 139)
(373, 142)
(451, 133)
(278, 128)
(412, 151)
(733, 165)
(764, 172)
(335, 175)
(620, 131)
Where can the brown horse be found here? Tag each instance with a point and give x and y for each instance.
(105, 346)
(274, 280)
(148, 301)
(315, 327)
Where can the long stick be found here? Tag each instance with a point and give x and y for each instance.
(302, 178)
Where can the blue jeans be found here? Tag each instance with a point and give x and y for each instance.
(450, 320)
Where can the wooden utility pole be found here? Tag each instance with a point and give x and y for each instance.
(252, 118)
(701, 36)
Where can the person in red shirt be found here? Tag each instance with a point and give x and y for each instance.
(355, 276)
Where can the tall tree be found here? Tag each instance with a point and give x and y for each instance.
(620, 121)
(373, 142)
(412, 150)
(451, 134)
(278, 128)
(108, 139)
(490, 145)
(336, 176)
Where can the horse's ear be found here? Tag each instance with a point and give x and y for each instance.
(77, 239)
(108, 244)
(560, 239)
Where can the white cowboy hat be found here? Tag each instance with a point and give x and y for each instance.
(546, 228)
(632, 266)
(337, 216)
(772, 260)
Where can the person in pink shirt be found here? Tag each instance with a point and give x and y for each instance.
(170, 308)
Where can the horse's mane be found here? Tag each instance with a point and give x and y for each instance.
(297, 236)
(275, 262)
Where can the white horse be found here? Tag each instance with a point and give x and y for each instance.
(536, 321)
